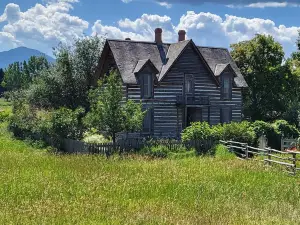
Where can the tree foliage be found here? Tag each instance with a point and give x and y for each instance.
(67, 83)
(19, 75)
(272, 84)
(109, 113)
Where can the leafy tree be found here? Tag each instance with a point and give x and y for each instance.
(66, 84)
(20, 74)
(109, 113)
(271, 83)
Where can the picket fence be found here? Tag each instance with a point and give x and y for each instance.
(132, 145)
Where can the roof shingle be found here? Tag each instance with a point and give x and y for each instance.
(131, 56)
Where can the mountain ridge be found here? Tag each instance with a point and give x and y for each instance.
(19, 55)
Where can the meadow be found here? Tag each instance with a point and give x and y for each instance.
(38, 187)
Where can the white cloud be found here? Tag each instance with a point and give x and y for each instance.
(204, 28)
(43, 26)
(139, 29)
(263, 5)
(126, 1)
(211, 29)
(8, 41)
(165, 4)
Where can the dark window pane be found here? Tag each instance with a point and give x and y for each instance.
(148, 120)
(226, 115)
(189, 84)
(147, 85)
(226, 87)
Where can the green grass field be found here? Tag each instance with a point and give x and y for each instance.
(37, 187)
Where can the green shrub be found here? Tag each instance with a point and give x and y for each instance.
(284, 129)
(92, 137)
(262, 128)
(163, 151)
(239, 132)
(159, 151)
(66, 123)
(197, 131)
(4, 115)
(22, 122)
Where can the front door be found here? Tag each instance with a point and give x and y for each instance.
(193, 115)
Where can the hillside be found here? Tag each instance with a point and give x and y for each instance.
(19, 55)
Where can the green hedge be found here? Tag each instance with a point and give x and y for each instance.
(244, 132)
(241, 132)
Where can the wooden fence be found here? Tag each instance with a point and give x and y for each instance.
(288, 159)
(132, 145)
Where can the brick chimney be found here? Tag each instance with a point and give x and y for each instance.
(181, 35)
(158, 35)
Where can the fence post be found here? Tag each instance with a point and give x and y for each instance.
(294, 162)
(269, 156)
(246, 151)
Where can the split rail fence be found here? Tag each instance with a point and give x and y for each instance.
(287, 159)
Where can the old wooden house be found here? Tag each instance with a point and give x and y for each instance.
(178, 83)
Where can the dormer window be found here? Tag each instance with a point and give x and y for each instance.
(147, 86)
(226, 87)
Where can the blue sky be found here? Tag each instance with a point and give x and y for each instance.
(42, 24)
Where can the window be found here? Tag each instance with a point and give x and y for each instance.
(226, 87)
(148, 122)
(226, 115)
(147, 86)
(189, 84)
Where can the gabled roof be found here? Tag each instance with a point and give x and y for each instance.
(142, 63)
(132, 56)
(220, 68)
(128, 53)
(215, 56)
(174, 52)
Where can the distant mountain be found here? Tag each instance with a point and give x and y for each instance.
(19, 55)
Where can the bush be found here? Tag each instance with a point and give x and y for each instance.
(4, 115)
(66, 123)
(198, 131)
(92, 137)
(22, 122)
(262, 128)
(163, 151)
(284, 129)
(239, 132)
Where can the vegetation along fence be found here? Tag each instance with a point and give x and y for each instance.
(287, 159)
(129, 145)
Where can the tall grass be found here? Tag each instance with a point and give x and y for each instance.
(39, 188)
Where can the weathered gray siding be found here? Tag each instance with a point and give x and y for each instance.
(168, 118)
